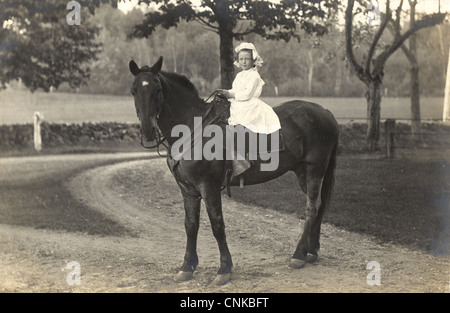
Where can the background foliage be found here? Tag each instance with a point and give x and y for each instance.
(315, 66)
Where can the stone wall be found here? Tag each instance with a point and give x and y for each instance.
(351, 136)
(21, 136)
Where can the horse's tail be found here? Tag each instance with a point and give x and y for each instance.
(328, 180)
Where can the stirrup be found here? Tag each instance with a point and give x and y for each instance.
(240, 166)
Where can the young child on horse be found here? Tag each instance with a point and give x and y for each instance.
(246, 108)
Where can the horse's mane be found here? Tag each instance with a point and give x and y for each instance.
(177, 78)
(181, 80)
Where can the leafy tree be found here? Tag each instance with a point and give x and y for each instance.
(188, 50)
(109, 70)
(235, 19)
(370, 70)
(38, 46)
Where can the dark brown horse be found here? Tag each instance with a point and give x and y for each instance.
(310, 133)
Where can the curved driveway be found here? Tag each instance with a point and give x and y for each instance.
(58, 209)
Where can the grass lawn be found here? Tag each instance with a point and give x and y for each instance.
(18, 107)
(402, 201)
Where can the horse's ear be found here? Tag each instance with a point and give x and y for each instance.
(134, 68)
(157, 66)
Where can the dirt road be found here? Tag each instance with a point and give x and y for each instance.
(146, 257)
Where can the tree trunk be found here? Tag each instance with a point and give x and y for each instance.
(373, 97)
(415, 83)
(338, 80)
(183, 64)
(415, 102)
(226, 56)
(310, 73)
(441, 48)
(446, 112)
(174, 57)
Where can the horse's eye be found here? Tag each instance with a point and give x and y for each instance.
(133, 91)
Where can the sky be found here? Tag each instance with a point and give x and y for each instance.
(427, 6)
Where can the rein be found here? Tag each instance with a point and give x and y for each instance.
(161, 139)
(213, 94)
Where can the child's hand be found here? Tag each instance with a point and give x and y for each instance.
(224, 92)
(221, 92)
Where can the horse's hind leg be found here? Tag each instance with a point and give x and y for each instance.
(191, 223)
(310, 178)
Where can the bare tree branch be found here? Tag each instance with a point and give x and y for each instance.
(426, 21)
(349, 44)
(398, 12)
(387, 18)
(206, 23)
(396, 33)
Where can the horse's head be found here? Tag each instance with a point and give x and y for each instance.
(148, 96)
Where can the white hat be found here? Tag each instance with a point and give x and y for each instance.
(257, 60)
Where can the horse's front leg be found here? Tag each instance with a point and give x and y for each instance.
(213, 202)
(191, 224)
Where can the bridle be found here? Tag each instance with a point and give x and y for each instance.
(160, 139)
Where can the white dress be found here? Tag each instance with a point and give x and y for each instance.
(246, 107)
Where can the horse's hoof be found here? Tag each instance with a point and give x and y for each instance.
(183, 276)
(297, 263)
(311, 258)
(221, 280)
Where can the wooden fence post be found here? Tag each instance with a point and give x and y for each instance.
(37, 118)
(389, 129)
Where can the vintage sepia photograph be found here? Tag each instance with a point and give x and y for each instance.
(227, 151)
